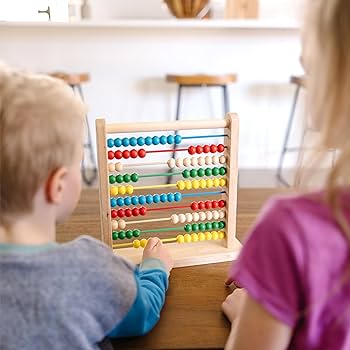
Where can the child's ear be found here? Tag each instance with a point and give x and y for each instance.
(55, 185)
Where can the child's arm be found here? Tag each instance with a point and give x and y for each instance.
(252, 326)
(152, 282)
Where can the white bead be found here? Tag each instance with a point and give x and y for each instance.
(222, 159)
(182, 218)
(208, 160)
(114, 225)
(187, 162)
(216, 160)
(201, 161)
(111, 167)
(188, 217)
(202, 215)
(194, 161)
(179, 162)
(209, 215)
(175, 219)
(122, 224)
(222, 214)
(171, 163)
(195, 217)
(216, 215)
(118, 166)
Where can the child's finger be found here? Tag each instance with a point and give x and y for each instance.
(152, 242)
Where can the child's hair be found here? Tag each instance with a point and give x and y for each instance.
(327, 61)
(41, 125)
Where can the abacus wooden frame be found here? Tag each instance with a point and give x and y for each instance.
(186, 254)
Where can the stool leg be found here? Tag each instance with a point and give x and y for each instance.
(279, 176)
(89, 180)
(226, 101)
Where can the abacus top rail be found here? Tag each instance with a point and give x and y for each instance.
(166, 126)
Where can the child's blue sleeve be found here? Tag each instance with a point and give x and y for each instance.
(152, 283)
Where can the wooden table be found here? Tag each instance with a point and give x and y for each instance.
(192, 317)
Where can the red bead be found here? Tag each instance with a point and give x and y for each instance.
(121, 213)
(213, 148)
(118, 154)
(221, 148)
(135, 212)
(126, 154)
(201, 205)
(143, 211)
(110, 154)
(214, 204)
(128, 212)
(192, 150)
(222, 203)
(207, 204)
(114, 213)
(199, 149)
(194, 206)
(206, 148)
(133, 153)
(142, 153)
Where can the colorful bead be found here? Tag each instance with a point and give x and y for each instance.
(201, 226)
(223, 182)
(163, 197)
(142, 199)
(170, 197)
(201, 161)
(222, 170)
(182, 218)
(208, 236)
(201, 236)
(179, 162)
(136, 243)
(119, 166)
(118, 154)
(142, 153)
(155, 140)
(171, 163)
(133, 153)
(114, 235)
(188, 228)
(188, 217)
(126, 178)
(140, 141)
(163, 140)
(170, 139)
(135, 211)
(111, 167)
(149, 199)
(180, 239)
(148, 141)
(110, 155)
(114, 214)
(186, 173)
(121, 224)
(121, 235)
(134, 177)
(192, 150)
(180, 185)
(222, 159)
(220, 148)
(200, 172)
(194, 237)
(114, 224)
(143, 242)
(195, 184)
(110, 143)
(215, 235)
(111, 179)
(117, 142)
(206, 148)
(136, 233)
(222, 203)
(128, 212)
(194, 206)
(178, 139)
(143, 211)
(134, 200)
(113, 191)
(133, 141)
(177, 196)
(125, 142)
(113, 202)
(174, 219)
(156, 198)
(187, 238)
(128, 234)
(120, 201)
(187, 162)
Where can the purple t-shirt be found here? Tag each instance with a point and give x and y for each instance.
(294, 263)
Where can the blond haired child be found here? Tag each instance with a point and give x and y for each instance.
(295, 264)
(60, 296)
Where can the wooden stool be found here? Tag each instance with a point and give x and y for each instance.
(75, 81)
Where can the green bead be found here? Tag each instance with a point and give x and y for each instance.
(134, 177)
(121, 235)
(208, 226)
(115, 235)
(222, 170)
(215, 225)
(126, 178)
(188, 228)
(195, 227)
(136, 233)
(200, 172)
(128, 234)
(119, 179)
(193, 173)
(201, 226)
(222, 224)
(215, 171)
(186, 173)
(111, 179)
(208, 172)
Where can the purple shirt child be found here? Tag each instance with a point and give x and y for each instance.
(296, 264)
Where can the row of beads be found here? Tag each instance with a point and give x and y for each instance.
(209, 204)
(127, 154)
(202, 183)
(206, 149)
(148, 199)
(197, 216)
(194, 161)
(148, 141)
(126, 234)
(120, 213)
(115, 190)
(204, 226)
(123, 178)
(204, 172)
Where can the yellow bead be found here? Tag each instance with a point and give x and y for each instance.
(143, 242)
(187, 238)
(114, 225)
(122, 190)
(195, 184)
(114, 191)
(180, 239)
(194, 237)
(222, 182)
(111, 167)
(221, 235)
(201, 236)
(136, 243)
(208, 236)
(202, 183)
(210, 183)
(188, 184)
(180, 185)
(129, 189)
(216, 182)
(215, 235)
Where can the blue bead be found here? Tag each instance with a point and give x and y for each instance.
(177, 196)
(142, 199)
(120, 201)
(133, 141)
(149, 199)
(125, 142)
(155, 140)
(171, 197)
(135, 200)
(178, 139)
(117, 142)
(170, 139)
(148, 140)
(163, 197)
(127, 201)
(110, 143)
(156, 198)
(140, 141)
(162, 140)
(113, 202)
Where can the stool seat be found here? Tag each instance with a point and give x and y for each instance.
(202, 79)
(298, 80)
(71, 78)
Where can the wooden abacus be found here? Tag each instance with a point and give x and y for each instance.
(206, 232)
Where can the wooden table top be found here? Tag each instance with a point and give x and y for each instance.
(192, 317)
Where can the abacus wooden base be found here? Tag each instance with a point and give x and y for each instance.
(189, 254)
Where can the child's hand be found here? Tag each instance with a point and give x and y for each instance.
(156, 249)
(233, 304)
